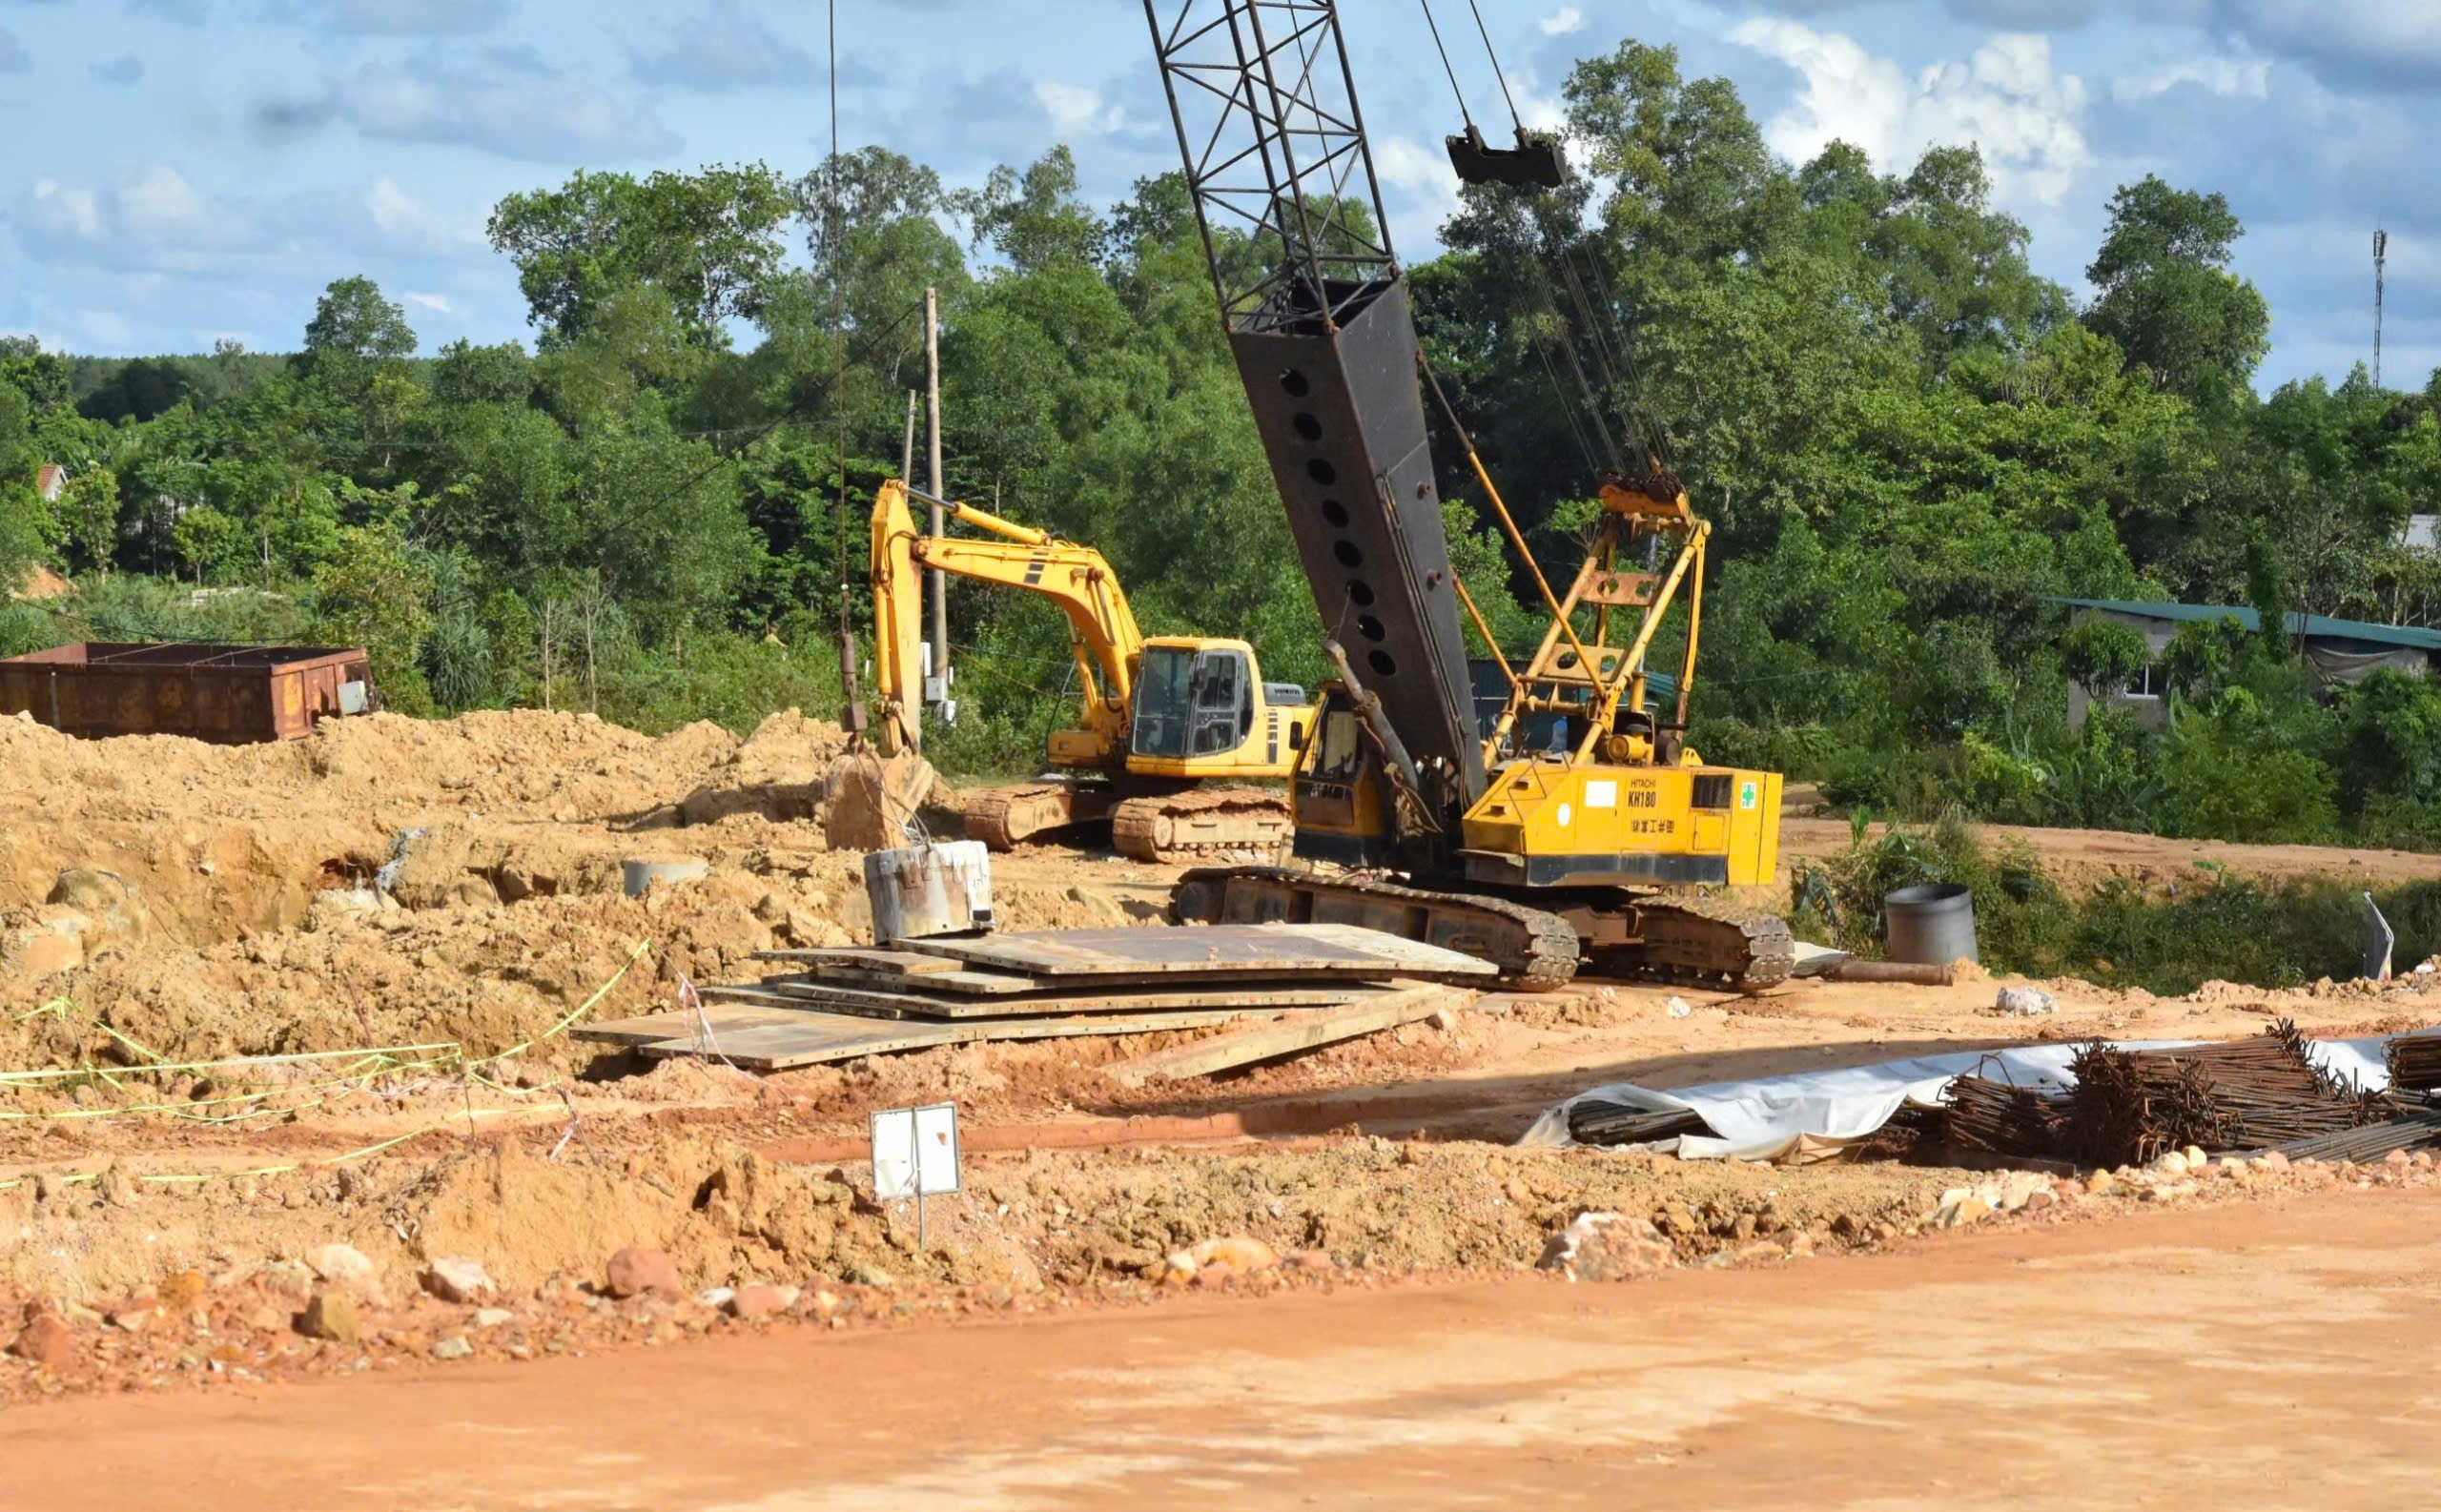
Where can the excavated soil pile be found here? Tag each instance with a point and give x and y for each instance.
(728, 1214)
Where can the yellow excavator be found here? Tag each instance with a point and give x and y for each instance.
(1163, 725)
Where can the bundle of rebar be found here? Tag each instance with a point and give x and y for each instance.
(2130, 1106)
(2415, 1062)
(2411, 1129)
(1593, 1121)
(1999, 1116)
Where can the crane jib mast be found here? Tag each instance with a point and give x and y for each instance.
(1320, 323)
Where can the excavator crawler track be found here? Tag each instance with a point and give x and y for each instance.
(1005, 818)
(1206, 824)
(1535, 951)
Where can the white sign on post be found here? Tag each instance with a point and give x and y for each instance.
(915, 1155)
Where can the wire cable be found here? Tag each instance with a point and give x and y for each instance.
(838, 311)
(1493, 54)
(1435, 27)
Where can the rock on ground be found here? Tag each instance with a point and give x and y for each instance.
(1237, 1250)
(45, 1340)
(1608, 1247)
(636, 1270)
(454, 1278)
(761, 1301)
(331, 1316)
(341, 1265)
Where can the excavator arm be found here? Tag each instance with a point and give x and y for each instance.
(1102, 633)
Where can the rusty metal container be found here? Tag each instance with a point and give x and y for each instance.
(920, 891)
(232, 695)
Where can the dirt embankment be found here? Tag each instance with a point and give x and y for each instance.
(204, 903)
(2082, 859)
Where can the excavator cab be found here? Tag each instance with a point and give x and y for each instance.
(1192, 702)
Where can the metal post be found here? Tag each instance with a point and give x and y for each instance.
(915, 1164)
(940, 491)
(2381, 257)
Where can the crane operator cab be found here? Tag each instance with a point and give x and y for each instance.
(1205, 699)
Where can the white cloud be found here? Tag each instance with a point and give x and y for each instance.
(724, 47)
(394, 17)
(2389, 40)
(1563, 21)
(2228, 77)
(410, 225)
(2007, 99)
(65, 210)
(151, 220)
(1075, 109)
(153, 223)
(437, 303)
(1420, 173)
(505, 101)
(12, 53)
(158, 202)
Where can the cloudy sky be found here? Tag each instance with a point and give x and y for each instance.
(185, 170)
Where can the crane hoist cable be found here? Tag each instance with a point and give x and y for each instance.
(1468, 117)
(1538, 162)
(1497, 73)
(854, 712)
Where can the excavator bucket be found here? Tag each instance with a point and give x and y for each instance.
(1536, 161)
(870, 801)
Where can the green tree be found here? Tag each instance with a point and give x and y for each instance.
(138, 391)
(88, 516)
(1034, 218)
(711, 240)
(2165, 292)
(371, 591)
(2104, 655)
(28, 529)
(355, 333)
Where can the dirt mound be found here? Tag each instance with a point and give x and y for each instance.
(485, 978)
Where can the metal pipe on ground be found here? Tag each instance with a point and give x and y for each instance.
(1908, 974)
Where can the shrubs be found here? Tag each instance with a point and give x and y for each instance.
(2217, 927)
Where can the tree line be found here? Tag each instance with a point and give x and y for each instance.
(1910, 443)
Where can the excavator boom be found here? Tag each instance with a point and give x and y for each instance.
(1102, 633)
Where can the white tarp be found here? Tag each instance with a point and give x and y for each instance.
(1808, 1112)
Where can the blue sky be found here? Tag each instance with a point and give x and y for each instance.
(185, 170)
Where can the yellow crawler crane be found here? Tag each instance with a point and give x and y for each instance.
(1535, 848)
(1163, 724)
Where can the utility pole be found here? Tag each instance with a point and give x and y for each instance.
(936, 691)
(2381, 256)
(907, 452)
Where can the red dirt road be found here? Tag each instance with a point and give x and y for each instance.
(2249, 1355)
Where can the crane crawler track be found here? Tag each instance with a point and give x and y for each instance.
(1694, 939)
(1536, 951)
